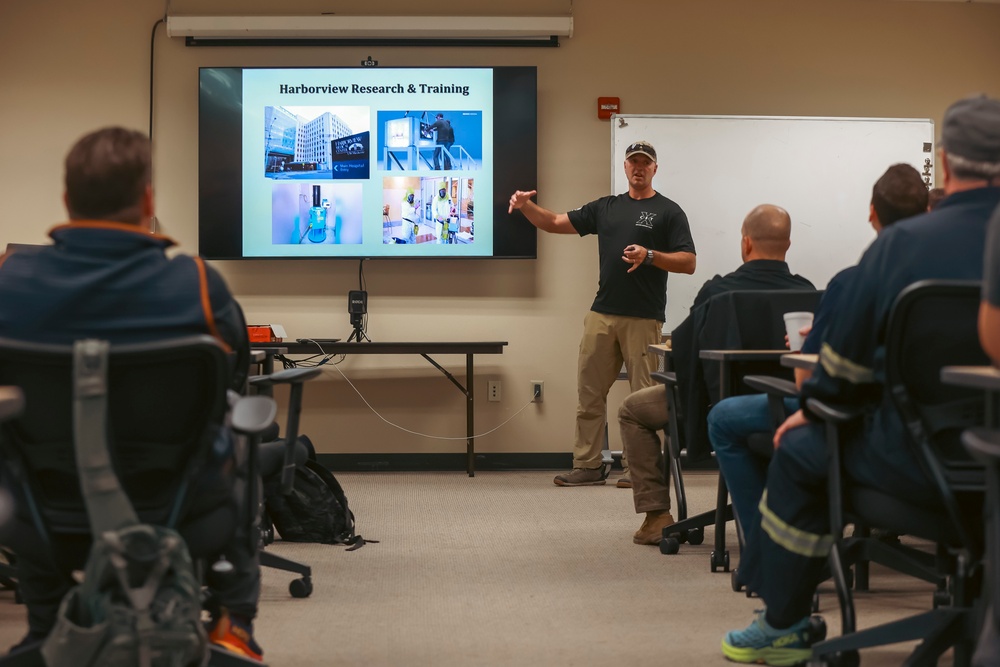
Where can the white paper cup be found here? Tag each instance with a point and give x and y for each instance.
(794, 322)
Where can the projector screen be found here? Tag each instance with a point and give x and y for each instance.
(365, 162)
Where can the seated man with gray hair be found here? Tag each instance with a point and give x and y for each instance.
(792, 541)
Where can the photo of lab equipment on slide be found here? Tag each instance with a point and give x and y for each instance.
(314, 214)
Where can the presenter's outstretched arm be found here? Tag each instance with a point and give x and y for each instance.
(543, 218)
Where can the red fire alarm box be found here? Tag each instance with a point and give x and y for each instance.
(607, 106)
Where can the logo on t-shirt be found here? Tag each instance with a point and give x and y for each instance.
(645, 220)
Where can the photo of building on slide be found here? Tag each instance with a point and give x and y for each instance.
(427, 210)
(314, 214)
(430, 140)
(316, 143)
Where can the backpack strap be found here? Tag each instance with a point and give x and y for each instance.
(108, 508)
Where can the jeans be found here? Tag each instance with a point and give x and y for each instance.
(730, 424)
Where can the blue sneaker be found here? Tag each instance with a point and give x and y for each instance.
(760, 643)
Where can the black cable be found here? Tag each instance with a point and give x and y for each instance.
(152, 51)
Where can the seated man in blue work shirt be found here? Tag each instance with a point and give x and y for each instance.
(899, 193)
(766, 237)
(793, 535)
(107, 276)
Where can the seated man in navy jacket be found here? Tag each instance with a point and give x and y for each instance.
(106, 276)
(766, 237)
(793, 535)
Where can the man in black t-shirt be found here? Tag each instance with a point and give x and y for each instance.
(650, 235)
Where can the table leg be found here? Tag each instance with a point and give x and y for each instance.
(470, 426)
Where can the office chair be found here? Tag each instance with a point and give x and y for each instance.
(281, 458)
(737, 320)
(11, 405)
(166, 401)
(932, 324)
(984, 445)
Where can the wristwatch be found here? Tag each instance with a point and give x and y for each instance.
(649, 257)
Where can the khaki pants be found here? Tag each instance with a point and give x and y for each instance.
(608, 341)
(642, 414)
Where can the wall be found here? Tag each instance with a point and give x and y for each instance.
(66, 68)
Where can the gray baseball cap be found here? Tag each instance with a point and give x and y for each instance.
(971, 129)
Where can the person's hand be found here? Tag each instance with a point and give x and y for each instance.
(804, 331)
(634, 255)
(797, 419)
(518, 199)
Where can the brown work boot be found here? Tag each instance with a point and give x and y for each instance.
(581, 477)
(651, 530)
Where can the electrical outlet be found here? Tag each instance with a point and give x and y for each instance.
(537, 390)
(493, 390)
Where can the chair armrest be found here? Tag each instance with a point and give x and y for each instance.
(836, 414)
(772, 385)
(983, 444)
(668, 379)
(251, 415)
(835, 418)
(287, 376)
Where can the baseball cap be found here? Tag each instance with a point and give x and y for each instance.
(971, 129)
(641, 148)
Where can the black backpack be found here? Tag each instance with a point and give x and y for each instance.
(315, 511)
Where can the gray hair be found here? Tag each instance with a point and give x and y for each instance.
(972, 170)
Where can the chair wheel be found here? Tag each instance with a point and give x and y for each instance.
(846, 659)
(669, 546)
(734, 578)
(941, 599)
(696, 536)
(300, 588)
(720, 561)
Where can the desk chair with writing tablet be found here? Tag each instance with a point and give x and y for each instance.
(736, 320)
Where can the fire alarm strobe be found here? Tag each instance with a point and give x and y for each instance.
(607, 106)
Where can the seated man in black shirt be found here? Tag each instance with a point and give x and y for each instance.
(766, 237)
(107, 276)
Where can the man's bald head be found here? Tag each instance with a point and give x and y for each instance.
(767, 233)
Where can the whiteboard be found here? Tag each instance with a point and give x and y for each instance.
(821, 170)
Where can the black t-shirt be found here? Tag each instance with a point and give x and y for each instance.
(657, 223)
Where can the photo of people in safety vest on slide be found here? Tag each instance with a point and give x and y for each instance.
(427, 210)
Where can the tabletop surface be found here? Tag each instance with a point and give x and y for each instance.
(981, 377)
(799, 360)
(741, 355)
(396, 347)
